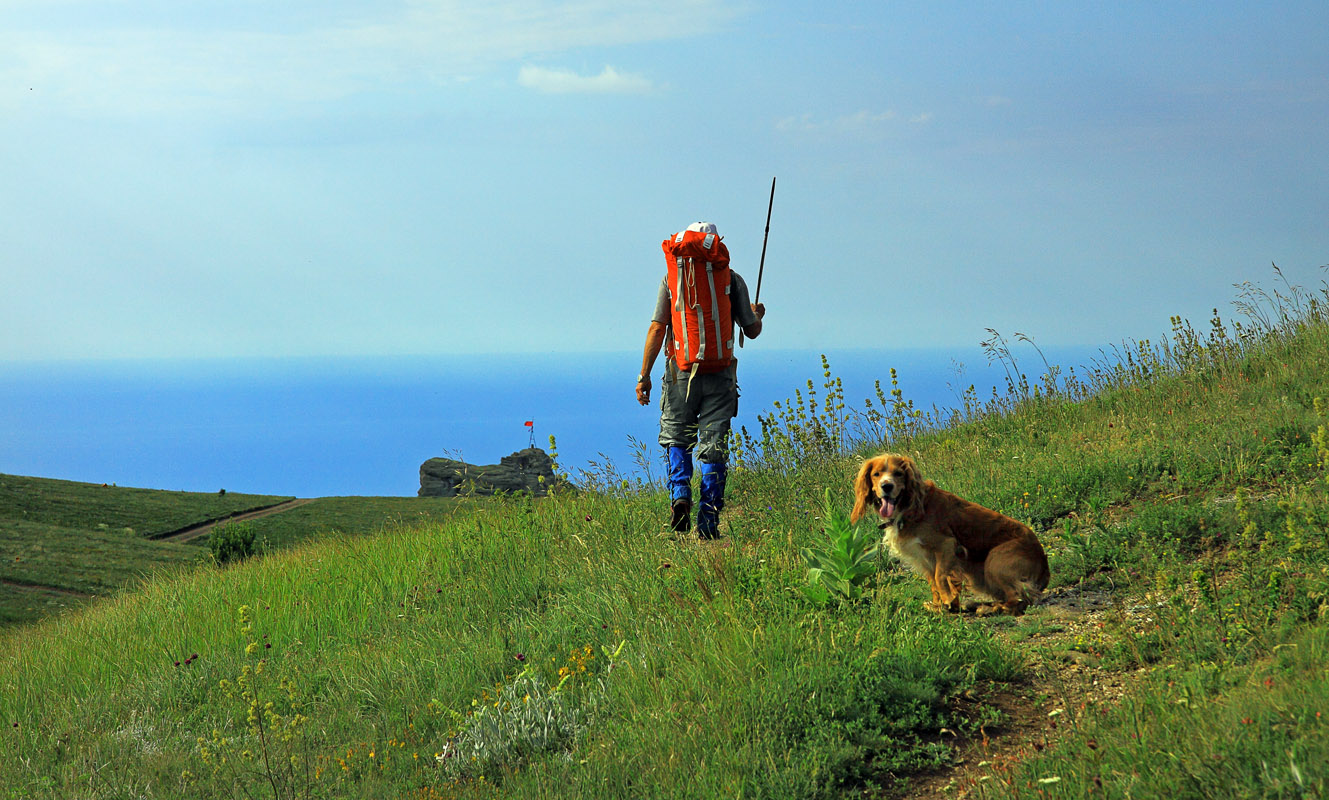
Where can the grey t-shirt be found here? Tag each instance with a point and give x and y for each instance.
(740, 307)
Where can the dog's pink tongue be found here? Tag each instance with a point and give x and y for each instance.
(887, 509)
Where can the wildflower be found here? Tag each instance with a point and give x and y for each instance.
(521, 656)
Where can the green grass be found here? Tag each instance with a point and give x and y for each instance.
(88, 562)
(62, 543)
(349, 515)
(1187, 484)
(90, 506)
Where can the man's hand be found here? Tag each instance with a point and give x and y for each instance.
(644, 390)
(754, 330)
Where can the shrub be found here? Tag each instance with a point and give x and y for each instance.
(234, 541)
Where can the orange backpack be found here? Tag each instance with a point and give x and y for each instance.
(698, 279)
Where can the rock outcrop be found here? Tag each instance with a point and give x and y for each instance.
(521, 471)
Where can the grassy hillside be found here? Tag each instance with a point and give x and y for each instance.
(349, 515)
(573, 647)
(47, 568)
(140, 512)
(63, 543)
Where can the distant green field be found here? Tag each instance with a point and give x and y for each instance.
(57, 568)
(92, 506)
(62, 543)
(349, 515)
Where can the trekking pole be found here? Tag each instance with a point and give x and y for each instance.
(762, 266)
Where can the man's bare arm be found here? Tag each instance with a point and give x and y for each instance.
(655, 336)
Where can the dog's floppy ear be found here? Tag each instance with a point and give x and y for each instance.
(862, 489)
(915, 491)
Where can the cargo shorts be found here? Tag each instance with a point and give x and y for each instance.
(699, 418)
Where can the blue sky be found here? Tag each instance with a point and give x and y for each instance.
(244, 178)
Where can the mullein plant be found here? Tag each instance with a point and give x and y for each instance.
(841, 570)
(271, 753)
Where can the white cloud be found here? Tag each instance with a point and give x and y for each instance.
(859, 122)
(558, 81)
(145, 63)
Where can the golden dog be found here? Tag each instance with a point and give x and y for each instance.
(949, 540)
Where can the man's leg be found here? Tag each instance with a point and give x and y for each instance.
(680, 488)
(712, 500)
(678, 434)
(719, 405)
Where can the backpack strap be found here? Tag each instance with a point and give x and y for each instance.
(715, 308)
(679, 302)
(696, 303)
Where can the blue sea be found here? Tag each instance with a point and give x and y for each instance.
(318, 427)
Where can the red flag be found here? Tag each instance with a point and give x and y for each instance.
(530, 423)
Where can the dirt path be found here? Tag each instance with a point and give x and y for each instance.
(1067, 680)
(204, 528)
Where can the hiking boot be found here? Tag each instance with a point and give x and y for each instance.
(682, 515)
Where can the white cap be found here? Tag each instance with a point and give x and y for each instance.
(703, 227)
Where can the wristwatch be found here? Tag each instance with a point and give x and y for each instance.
(643, 378)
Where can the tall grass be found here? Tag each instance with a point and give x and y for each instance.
(614, 658)
(391, 640)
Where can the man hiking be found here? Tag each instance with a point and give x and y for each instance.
(699, 301)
